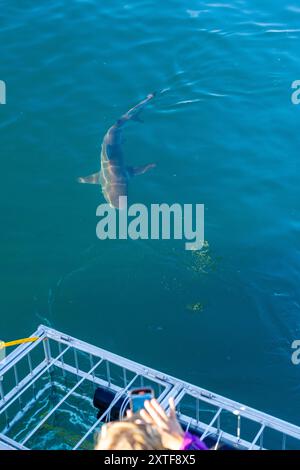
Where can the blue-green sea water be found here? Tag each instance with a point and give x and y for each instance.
(224, 133)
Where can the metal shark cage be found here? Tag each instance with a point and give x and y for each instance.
(47, 389)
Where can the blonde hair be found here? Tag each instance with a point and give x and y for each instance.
(128, 435)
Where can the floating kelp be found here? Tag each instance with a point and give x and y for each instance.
(203, 261)
(196, 307)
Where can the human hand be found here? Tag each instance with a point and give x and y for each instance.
(168, 426)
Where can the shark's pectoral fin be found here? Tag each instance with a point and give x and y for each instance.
(139, 170)
(91, 179)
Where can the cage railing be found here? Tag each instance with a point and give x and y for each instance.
(99, 370)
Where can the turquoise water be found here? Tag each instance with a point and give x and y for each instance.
(224, 133)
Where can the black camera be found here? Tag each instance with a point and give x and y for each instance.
(103, 398)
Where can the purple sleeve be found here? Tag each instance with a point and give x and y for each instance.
(191, 442)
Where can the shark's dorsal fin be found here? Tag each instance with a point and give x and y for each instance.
(91, 179)
(139, 170)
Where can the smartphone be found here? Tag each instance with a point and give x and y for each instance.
(138, 397)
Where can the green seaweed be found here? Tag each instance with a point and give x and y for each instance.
(195, 307)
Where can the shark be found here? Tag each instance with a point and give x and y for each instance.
(114, 174)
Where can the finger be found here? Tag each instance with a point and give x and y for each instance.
(154, 415)
(129, 414)
(146, 417)
(172, 407)
(172, 404)
(138, 421)
(159, 409)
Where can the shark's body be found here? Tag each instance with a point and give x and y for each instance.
(114, 174)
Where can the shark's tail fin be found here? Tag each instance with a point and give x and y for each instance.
(134, 113)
